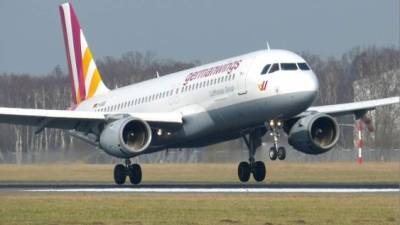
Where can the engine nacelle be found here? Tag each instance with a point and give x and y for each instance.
(125, 137)
(314, 134)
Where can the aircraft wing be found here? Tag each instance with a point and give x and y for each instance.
(79, 120)
(357, 108)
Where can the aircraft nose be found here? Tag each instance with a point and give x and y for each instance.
(310, 82)
(307, 90)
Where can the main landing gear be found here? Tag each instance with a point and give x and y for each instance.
(257, 168)
(133, 171)
(276, 151)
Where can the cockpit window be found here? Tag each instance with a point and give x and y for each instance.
(265, 70)
(288, 66)
(303, 66)
(275, 67)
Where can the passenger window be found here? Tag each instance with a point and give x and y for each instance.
(275, 67)
(303, 66)
(288, 66)
(265, 69)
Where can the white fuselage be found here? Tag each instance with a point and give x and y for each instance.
(219, 98)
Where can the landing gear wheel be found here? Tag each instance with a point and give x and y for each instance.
(273, 153)
(281, 153)
(244, 171)
(119, 174)
(259, 171)
(135, 173)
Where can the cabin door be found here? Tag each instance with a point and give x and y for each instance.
(242, 74)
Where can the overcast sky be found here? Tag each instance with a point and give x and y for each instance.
(31, 38)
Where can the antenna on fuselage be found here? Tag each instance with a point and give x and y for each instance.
(268, 48)
(157, 74)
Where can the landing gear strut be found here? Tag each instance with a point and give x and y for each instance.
(133, 171)
(257, 168)
(276, 151)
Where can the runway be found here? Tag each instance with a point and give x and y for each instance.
(203, 188)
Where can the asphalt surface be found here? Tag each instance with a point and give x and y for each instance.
(179, 187)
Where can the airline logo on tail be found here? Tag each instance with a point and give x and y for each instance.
(85, 77)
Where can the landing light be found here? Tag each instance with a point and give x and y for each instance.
(159, 132)
(271, 123)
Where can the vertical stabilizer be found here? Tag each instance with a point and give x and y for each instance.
(85, 77)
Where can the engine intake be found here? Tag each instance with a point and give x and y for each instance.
(314, 134)
(126, 137)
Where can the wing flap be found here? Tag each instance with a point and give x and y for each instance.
(169, 121)
(63, 119)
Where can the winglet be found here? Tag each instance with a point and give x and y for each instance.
(85, 77)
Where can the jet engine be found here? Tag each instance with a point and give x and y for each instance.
(314, 134)
(125, 137)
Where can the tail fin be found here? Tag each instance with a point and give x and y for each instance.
(85, 77)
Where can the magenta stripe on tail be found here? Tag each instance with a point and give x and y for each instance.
(76, 31)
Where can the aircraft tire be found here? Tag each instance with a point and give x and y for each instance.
(281, 153)
(244, 171)
(119, 174)
(135, 174)
(259, 171)
(273, 153)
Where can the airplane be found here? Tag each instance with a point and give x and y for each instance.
(241, 97)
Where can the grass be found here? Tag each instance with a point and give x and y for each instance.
(277, 172)
(196, 209)
(78, 208)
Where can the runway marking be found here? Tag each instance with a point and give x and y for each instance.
(223, 190)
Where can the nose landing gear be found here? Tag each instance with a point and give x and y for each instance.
(276, 151)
